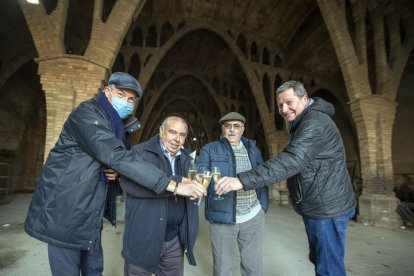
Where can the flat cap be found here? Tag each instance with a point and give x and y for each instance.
(232, 116)
(125, 81)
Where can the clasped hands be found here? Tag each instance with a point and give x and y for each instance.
(110, 174)
(194, 190)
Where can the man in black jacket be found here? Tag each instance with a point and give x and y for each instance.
(67, 206)
(164, 226)
(315, 165)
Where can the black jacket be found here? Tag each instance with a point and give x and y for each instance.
(313, 162)
(114, 189)
(68, 204)
(146, 213)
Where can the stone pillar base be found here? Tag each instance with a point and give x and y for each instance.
(284, 197)
(274, 195)
(279, 193)
(379, 210)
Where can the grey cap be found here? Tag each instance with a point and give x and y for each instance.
(125, 81)
(232, 116)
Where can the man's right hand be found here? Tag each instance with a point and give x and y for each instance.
(188, 188)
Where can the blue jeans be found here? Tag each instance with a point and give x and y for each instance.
(326, 237)
(71, 262)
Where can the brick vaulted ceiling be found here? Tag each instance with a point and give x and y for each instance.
(294, 30)
(294, 27)
(275, 20)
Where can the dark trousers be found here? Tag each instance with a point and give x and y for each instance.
(327, 244)
(171, 261)
(72, 262)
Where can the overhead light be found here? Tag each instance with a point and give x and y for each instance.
(33, 2)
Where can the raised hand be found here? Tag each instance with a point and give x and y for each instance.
(227, 184)
(188, 188)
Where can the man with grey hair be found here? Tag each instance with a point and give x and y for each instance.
(165, 225)
(238, 218)
(68, 205)
(314, 164)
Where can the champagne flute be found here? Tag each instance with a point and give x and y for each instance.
(216, 176)
(192, 172)
(200, 173)
(205, 182)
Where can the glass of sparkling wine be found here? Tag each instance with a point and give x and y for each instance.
(216, 176)
(205, 182)
(192, 172)
(200, 173)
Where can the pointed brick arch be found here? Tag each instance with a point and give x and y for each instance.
(155, 59)
(150, 106)
(248, 69)
(371, 86)
(157, 112)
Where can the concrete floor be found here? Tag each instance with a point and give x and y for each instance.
(369, 250)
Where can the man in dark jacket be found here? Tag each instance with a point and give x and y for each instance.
(315, 165)
(237, 218)
(67, 206)
(159, 228)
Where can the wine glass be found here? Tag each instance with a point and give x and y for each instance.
(192, 172)
(216, 176)
(205, 182)
(200, 172)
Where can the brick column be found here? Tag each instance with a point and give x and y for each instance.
(67, 81)
(374, 118)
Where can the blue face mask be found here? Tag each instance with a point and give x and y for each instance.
(123, 107)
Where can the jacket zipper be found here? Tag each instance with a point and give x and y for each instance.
(300, 193)
(235, 173)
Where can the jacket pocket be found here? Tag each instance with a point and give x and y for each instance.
(297, 194)
(219, 158)
(223, 162)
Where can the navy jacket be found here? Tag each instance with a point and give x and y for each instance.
(220, 154)
(146, 213)
(313, 162)
(68, 204)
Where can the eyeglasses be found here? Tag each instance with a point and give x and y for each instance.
(234, 126)
(121, 94)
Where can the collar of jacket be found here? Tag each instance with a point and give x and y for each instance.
(317, 104)
(131, 124)
(246, 142)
